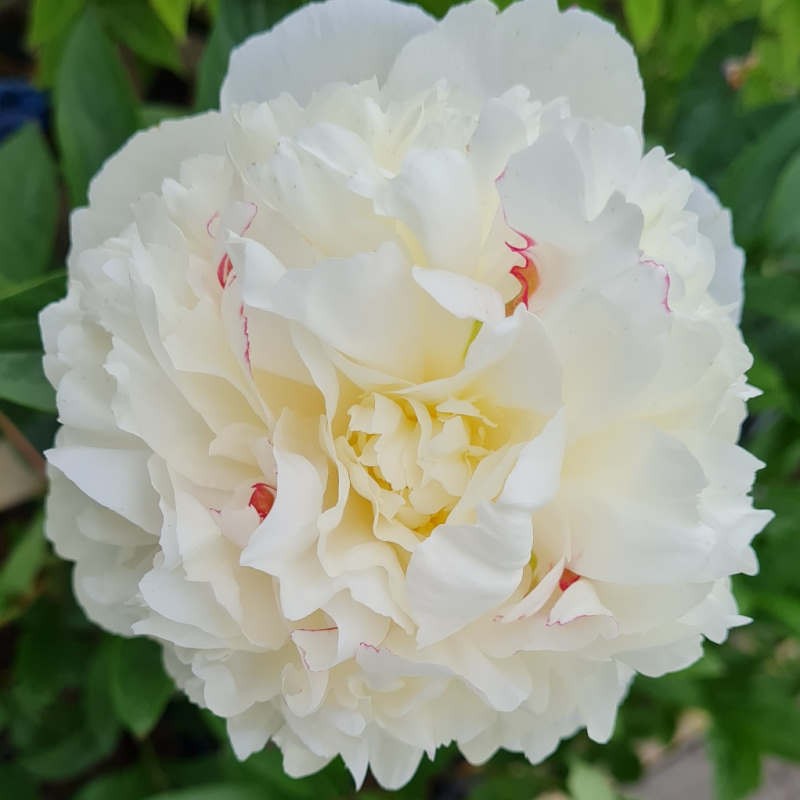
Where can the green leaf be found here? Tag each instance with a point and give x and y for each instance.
(781, 220)
(643, 18)
(95, 108)
(237, 19)
(50, 19)
(153, 113)
(438, 8)
(266, 769)
(211, 69)
(709, 130)
(588, 783)
(23, 563)
(510, 783)
(783, 607)
(25, 300)
(737, 762)
(753, 713)
(22, 381)
(772, 323)
(219, 791)
(16, 783)
(174, 14)
(132, 784)
(28, 206)
(140, 689)
(19, 334)
(45, 631)
(75, 751)
(136, 25)
(749, 182)
(58, 734)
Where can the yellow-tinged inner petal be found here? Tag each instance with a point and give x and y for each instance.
(413, 460)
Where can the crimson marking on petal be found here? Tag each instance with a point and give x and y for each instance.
(368, 646)
(528, 277)
(224, 269)
(667, 280)
(225, 266)
(568, 577)
(262, 499)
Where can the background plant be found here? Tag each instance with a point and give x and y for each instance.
(88, 715)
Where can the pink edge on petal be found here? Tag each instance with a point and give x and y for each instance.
(318, 630)
(560, 623)
(667, 280)
(368, 646)
(254, 211)
(528, 242)
(246, 334)
(211, 220)
(262, 499)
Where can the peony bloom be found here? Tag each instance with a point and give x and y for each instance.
(400, 397)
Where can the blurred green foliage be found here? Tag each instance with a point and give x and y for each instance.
(91, 716)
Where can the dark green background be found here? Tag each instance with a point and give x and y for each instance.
(90, 716)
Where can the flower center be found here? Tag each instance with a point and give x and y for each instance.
(413, 460)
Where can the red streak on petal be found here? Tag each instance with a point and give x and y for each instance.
(528, 277)
(262, 499)
(224, 269)
(526, 273)
(369, 647)
(568, 577)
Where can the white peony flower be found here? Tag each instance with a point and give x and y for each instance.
(400, 397)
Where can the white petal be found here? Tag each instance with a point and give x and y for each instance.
(579, 600)
(715, 222)
(436, 195)
(291, 525)
(575, 55)
(392, 762)
(536, 476)
(341, 40)
(364, 307)
(117, 479)
(143, 163)
(463, 571)
(460, 295)
(249, 732)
